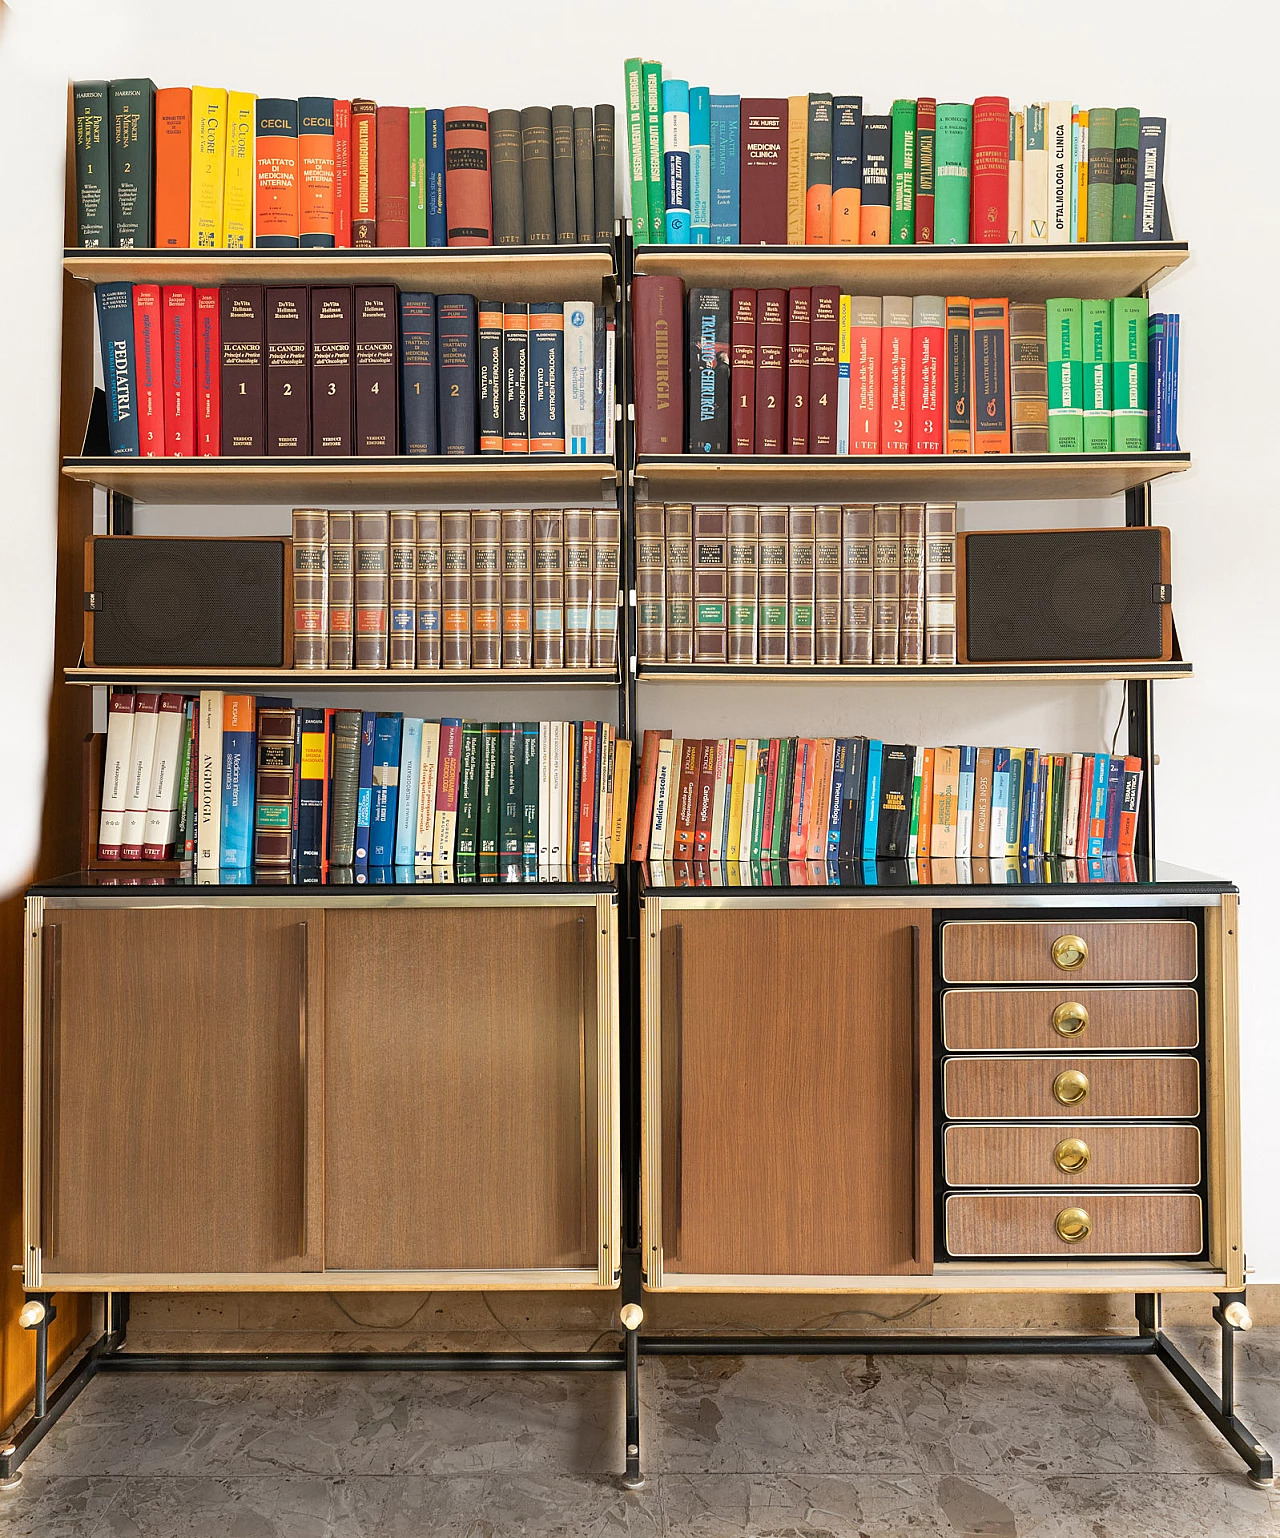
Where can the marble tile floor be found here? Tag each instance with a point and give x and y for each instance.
(820, 1447)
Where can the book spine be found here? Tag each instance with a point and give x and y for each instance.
(925, 168)
(763, 171)
(238, 188)
(456, 334)
(173, 165)
(725, 170)
(911, 599)
(959, 377)
(679, 582)
(797, 166)
(486, 589)
(1102, 173)
(148, 327)
(605, 556)
(369, 624)
(386, 789)
(741, 556)
(895, 375)
(114, 302)
(208, 166)
(581, 322)
(564, 194)
(515, 376)
(1028, 378)
(1124, 202)
(1057, 133)
(548, 589)
(844, 355)
(771, 370)
(953, 149)
(133, 111)
(800, 585)
(537, 176)
(886, 562)
(418, 374)
(856, 584)
(742, 366)
(115, 772)
(817, 207)
(426, 595)
(1150, 172)
(928, 338)
(708, 383)
(675, 162)
(1129, 375)
(546, 374)
(239, 760)
(989, 180)
(288, 407)
(243, 370)
(774, 563)
(342, 174)
(1065, 371)
(658, 327)
(401, 618)
(1082, 180)
(637, 169)
(364, 173)
(940, 584)
(877, 158)
(824, 374)
(408, 791)
(654, 167)
(864, 382)
(846, 171)
(273, 814)
(310, 587)
(437, 214)
(577, 587)
(455, 589)
(584, 177)
(651, 645)
(331, 370)
(1095, 375)
(428, 774)
(699, 166)
(276, 173)
(902, 223)
(90, 105)
(710, 584)
(392, 205)
(1017, 152)
(418, 176)
(1035, 178)
(179, 371)
(506, 160)
(990, 383)
(516, 588)
(446, 821)
(467, 188)
(489, 375)
(826, 584)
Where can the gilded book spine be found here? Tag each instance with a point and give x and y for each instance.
(1028, 378)
(856, 597)
(371, 589)
(426, 596)
(486, 589)
(605, 555)
(548, 588)
(886, 558)
(800, 540)
(679, 537)
(517, 588)
(401, 617)
(310, 587)
(911, 597)
(455, 589)
(940, 583)
(342, 567)
(772, 617)
(651, 587)
(826, 584)
(710, 584)
(743, 574)
(577, 587)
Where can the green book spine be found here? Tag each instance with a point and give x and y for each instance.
(1095, 342)
(902, 222)
(418, 177)
(1129, 376)
(133, 153)
(1124, 200)
(468, 800)
(757, 811)
(93, 163)
(1102, 172)
(774, 832)
(529, 804)
(637, 165)
(656, 234)
(490, 798)
(511, 771)
(953, 143)
(1066, 417)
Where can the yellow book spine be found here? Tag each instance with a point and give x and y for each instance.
(1082, 181)
(621, 787)
(208, 165)
(797, 166)
(737, 785)
(751, 753)
(238, 188)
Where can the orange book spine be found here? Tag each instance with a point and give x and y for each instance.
(820, 810)
(990, 377)
(316, 173)
(173, 166)
(276, 160)
(799, 832)
(924, 818)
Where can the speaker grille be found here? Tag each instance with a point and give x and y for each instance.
(188, 603)
(1064, 595)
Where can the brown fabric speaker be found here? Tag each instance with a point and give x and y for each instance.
(1065, 595)
(216, 603)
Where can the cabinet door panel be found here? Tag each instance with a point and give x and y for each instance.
(176, 1088)
(795, 1117)
(460, 1074)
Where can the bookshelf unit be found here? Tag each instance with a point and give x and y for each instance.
(659, 1172)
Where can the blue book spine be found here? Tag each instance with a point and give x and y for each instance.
(725, 171)
(999, 796)
(311, 758)
(456, 376)
(546, 378)
(1013, 808)
(1115, 802)
(407, 788)
(418, 373)
(437, 224)
(846, 151)
(115, 332)
(839, 758)
(855, 784)
(871, 801)
(600, 383)
(386, 781)
(239, 761)
(364, 795)
(1098, 804)
(1030, 790)
(964, 802)
(870, 873)
(1171, 395)
(699, 165)
(675, 160)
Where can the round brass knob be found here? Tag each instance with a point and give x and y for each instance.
(631, 1315)
(1069, 952)
(1070, 1087)
(1071, 1155)
(1073, 1224)
(1070, 1019)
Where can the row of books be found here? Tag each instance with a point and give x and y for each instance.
(706, 169)
(848, 799)
(859, 583)
(247, 371)
(231, 782)
(1052, 869)
(815, 371)
(479, 588)
(209, 169)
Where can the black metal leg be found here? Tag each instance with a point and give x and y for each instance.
(632, 1318)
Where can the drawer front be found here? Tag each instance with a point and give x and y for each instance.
(1117, 951)
(1074, 1154)
(1102, 1223)
(1049, 1019)
(1070, 1088)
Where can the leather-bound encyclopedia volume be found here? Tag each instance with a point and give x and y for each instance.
(332, 345)
(763, 172)
(658, 329)
(799, 329)
(401, 618)
(651, 592)
(342, 567)
(376, 387)
(577, 587)
(418, 418)
(273, 814)
(742, 371)
(467, 192)
(517, 588)
(310, 587)
(506, 160)
(886, 560)
(288, 371)
(800, 554)
(679, 557)
(940, 583)
(771, 370)
(774, 564)
(824, 369)
(486, 589)
(548, 588)
(426, 593)
(455, 589)
(606, 212)
(605, 567)
(372, 533)
(456, 333)
(827, 541)
(536, 157)
(710, 584)
(1028, 378)
(708, 332)
(243, 370)
(364, 173)
(742, 561)
(856, 586)
(584, 175)
(911, 596)
(393, 177)
(564, 200)
(490, 376)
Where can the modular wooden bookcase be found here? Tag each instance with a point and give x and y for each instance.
(636, 1086)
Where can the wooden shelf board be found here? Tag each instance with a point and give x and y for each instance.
(551, 478)
(517, 272)
(1014, 672)
(1021, 272)
(345, 678)
(900, 477)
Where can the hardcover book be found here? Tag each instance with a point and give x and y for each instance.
(605, 199)
(817, 212)
(1028, 378)
(364, 173)
(316, 172)
(288, 406)
(902, 225)
(375, 386)
(799, 343)
(824, 376)
(928, 373)
(989, 179)
(546, 378)
(959, 377)
(658, 327)
(506, 159)
(771, 370)
(895, 374)
(926, 167)
(539, 199)
(90, 99)
(276, 151)
(133, 112)
(584, 186)
(419, 428)
(393, 177)
(515, 378)
(710, 584)
(564, 198)
(342, 565)
(763, 171)
(846, 171)
(467, 193)
(990, 384)
(877, 156)
(243, 370)
(953, 152)
(239, 175)
(208, 166)
(178, 352)
(709, 371)
(456, 340)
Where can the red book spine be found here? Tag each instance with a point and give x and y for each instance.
(771, 368)
(864, 388)
(640, 826)
(799, 337)
(1086, 805)
(149, 370)
(989, 196)
(1131, 799)
(928, 413)
(926, 167)
(324, 798)
(208, 374)
(895, 376)
(587, 793)
(824, 370)
(658, 329)
(704, 800)
(364, 173)
(179, 371)
(468, 197)
(342, 174)
(742, 371)
(763, 172)
(767, 851)
(393, 176)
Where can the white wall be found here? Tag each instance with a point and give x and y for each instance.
(1204, 71)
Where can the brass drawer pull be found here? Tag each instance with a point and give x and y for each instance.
(1070, 1019)
(1073, 1224)
(1070, 1087)
(1069, 952)
(1071, 1155)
